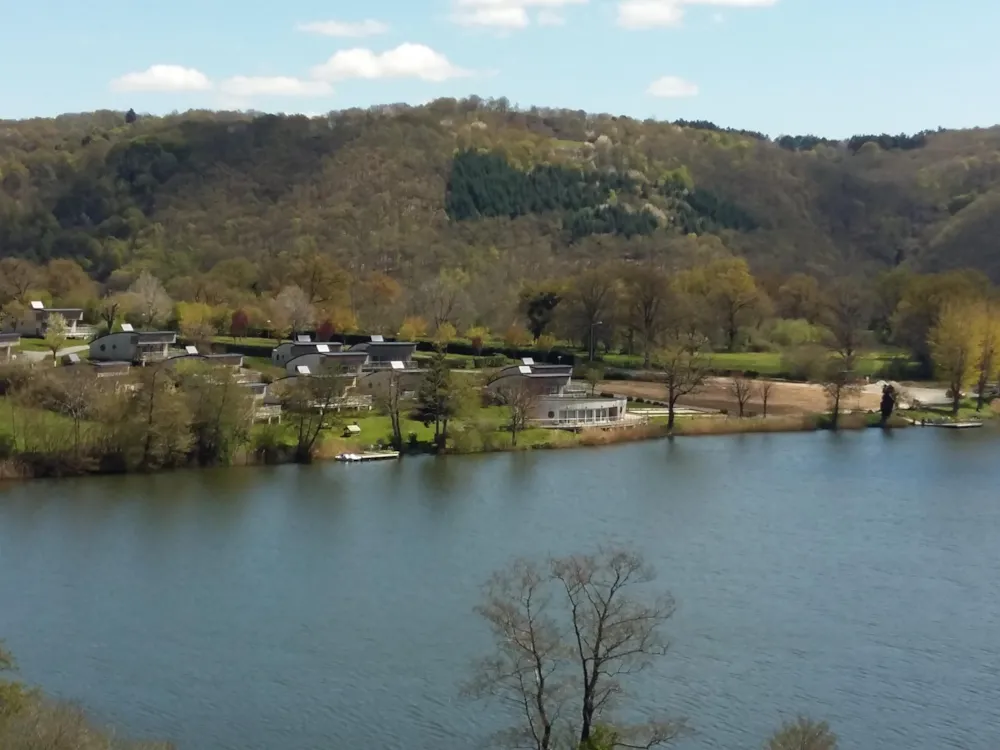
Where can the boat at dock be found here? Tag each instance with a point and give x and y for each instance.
(954, 425)
(367, 456)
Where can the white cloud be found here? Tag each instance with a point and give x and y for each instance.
(644, 14)
(244, 86)
(405, 61)
(354, 29)
(550, 18)
(500, 17)
(163, 78)
(509, 14)
(733, 3)
(672, 87)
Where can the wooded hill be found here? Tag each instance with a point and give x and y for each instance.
(502, 195)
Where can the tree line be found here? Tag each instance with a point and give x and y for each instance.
(370, 190)
(614, 308)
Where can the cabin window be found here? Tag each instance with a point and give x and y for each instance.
(552, 415)
(104, 347)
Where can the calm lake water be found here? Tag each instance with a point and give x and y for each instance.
(852, 577)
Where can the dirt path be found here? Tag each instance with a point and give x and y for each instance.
(785, 398)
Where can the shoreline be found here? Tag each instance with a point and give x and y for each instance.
(685, 427)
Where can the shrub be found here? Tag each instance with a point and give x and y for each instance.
(804, 362)
(787, 333)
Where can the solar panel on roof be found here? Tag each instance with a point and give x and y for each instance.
(528, 361)
(36, 305)
(397, 365)
(322, 348)
(303, 339)
(377, 338)
(127, 327)
(303, 370)
(524, 369)
(191, 349)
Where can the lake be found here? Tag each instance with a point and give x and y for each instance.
(851, 577)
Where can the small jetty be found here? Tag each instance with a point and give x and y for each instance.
(354, 458)
(954, 425)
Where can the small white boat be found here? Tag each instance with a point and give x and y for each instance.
(367, 456)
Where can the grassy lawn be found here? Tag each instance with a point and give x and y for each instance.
(249, 341)
(37, 345)
(14, 419)
(966, 412)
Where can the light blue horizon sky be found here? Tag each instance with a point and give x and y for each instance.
(778, 66)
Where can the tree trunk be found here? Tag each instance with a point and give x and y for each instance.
(956, 399)
(981, 398)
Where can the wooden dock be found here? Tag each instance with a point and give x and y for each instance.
(354, 458)
(954, 425)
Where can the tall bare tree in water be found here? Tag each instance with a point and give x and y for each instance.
(567, 632)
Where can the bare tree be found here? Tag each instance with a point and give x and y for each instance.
(764, 388)
(741, 388)
(803, 734)
(17, 278)
(567, 632)
(648, 297)
(520, 399)
(296, 308)
(149, 299)
(683, 367)
(591, 301)
(847, 311)
(111, 307)
(839, 386)
(391, 403)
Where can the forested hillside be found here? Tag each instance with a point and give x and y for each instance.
(496, 196)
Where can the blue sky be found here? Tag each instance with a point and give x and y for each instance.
(827, 67)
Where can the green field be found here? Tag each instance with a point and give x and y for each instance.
(14, 419)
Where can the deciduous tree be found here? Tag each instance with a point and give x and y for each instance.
(17, 278)
(438, 398)
(764, 388)
(311, 402)
(519, 399)
(648, 295)
(150, 300)
(741, 388)
(294, 304)
(221, 411)
(568, 633)
(682, 365)
(953, 348)
(55, 335)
